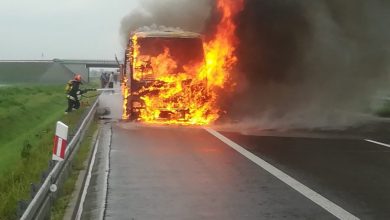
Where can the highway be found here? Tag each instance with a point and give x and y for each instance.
(173, 172)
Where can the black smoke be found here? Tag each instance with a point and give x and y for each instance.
(188, 15)
(306, 63)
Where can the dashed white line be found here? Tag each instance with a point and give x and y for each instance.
(323, 202)
(377, 142)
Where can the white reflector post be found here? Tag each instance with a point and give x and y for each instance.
(60, 141)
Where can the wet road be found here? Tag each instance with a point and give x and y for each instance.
(350, 172)
(145, 172)
(183, 173)
(187, 173)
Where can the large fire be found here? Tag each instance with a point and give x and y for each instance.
(189, 94)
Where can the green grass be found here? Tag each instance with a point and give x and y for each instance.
(28, 115)
(25, 113)
(78, 164)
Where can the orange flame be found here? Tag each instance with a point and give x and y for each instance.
(190, 95)
(126, 94)
(220, 57)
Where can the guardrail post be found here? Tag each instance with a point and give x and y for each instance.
(34, 189)
(22, 206)
(60, 147)
(44, 175)
(52, 163)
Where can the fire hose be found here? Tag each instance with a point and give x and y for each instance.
(93, 96)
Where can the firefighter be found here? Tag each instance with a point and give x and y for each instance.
(73, 93)
(111, 80)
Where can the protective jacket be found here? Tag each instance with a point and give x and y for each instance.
(73, 90)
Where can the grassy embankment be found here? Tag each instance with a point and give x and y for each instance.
(78, 164)
(28, 115)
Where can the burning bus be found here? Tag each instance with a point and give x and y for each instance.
(162, 78)
(174, 77)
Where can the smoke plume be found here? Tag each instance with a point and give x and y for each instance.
(188, 15)
(310, 64)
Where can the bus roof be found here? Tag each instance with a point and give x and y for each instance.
(167, 34)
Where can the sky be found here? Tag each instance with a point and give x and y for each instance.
(64, 29)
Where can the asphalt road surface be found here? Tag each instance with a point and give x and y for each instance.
(170, 172)
(188, 173)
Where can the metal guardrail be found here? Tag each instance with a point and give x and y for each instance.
(40, 205)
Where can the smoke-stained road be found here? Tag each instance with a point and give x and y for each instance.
(187, 173)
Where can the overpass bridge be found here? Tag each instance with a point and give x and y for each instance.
(83, 66)
(49, 71)
(90, 63)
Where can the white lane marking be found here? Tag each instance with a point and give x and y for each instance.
(377, 142)
(106, 176)
(304, 190)
(87, 181)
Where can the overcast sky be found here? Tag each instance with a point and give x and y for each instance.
(65, 29)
